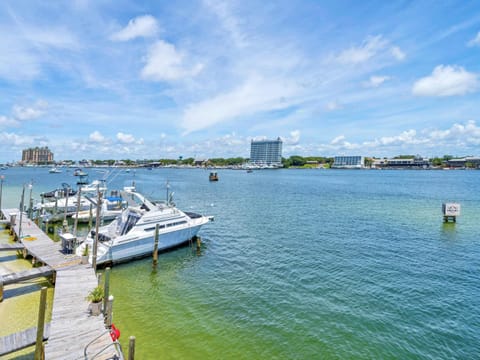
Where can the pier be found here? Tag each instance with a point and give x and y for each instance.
(72, 327)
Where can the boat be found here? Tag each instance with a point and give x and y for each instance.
(54, 170)
(112, 206)
(60, 192)
(132, 234)
(249, 171)
(213, 176)
(79, 172)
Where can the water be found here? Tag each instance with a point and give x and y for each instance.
(304, 264)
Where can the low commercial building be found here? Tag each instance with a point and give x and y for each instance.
(348, 162)
(468, 161)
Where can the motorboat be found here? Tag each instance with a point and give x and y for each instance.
(213, 176)
(79, 172)
(132, 234)
(54, 170)
(111, 207)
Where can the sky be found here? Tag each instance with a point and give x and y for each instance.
(201, 78)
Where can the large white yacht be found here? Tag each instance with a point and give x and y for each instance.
(132, 234)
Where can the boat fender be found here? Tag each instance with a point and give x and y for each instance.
(114, 333)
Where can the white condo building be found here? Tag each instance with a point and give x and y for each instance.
(266, 152)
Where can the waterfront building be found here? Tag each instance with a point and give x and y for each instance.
(414, 163)
(348, 162)
(37, 155)
(266, 152)
(468, 161)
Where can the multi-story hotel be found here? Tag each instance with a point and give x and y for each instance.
(266, 152)
(37, 155)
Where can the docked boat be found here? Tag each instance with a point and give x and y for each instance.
(112, 206)
(131, 235)
(213, 176)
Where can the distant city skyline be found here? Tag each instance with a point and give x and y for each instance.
(148, 79)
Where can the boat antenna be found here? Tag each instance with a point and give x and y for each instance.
(168, 188)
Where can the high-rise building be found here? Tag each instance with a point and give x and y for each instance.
(37, 155)
(266, 152)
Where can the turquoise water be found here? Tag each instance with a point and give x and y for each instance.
(303, 264)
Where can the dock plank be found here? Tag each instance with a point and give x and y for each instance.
(17, 277)
(71, 327)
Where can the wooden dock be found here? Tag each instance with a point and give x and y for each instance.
(27, 337)
(72, 327)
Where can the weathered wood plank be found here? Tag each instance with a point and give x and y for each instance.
(20, 340)
(14, 278)
(11, 247)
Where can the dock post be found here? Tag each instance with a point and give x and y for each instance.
(155, 247)
(21, 213)
(109, 311)
(199, 242)
(131, 348)
(97, 224)
(1, 290)
(1, 189)
(39, 351)
(106, 288)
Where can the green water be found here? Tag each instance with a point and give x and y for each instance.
(308, 264)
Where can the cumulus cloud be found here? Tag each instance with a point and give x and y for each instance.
(141, 26)
(128, 139)
(30, 112)
(376, 81)
(165, 63)
(475, 41)
(97, 137)
(446, 81)
(12, 139)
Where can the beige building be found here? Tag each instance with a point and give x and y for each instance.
(37, 155)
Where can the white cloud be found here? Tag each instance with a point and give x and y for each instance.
(97, 137)
(141, 26)
(32, 112)
(229, 22)
(165, 63)
(338, 140)
(397, 53)
(446, 81)
(369, 48)
(12, 139)
(128, 139)
(6, 122)
(376, 81)
(475, 41)
(469, 130)
(293, 139)
(254, 96)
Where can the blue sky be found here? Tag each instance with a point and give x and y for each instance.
(156, 79)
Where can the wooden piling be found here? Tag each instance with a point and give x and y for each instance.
(106, 287)
(97, 224)
(1, 290)
(155, 247)
(131, 348)
(109, 311)
(39, 350)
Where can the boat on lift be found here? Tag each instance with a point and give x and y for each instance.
(131, 235)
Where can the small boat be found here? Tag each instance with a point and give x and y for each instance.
(132, 234)
(249, 171)
(54, 170)
(79, 172)
(213, 176)
(60, 193)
